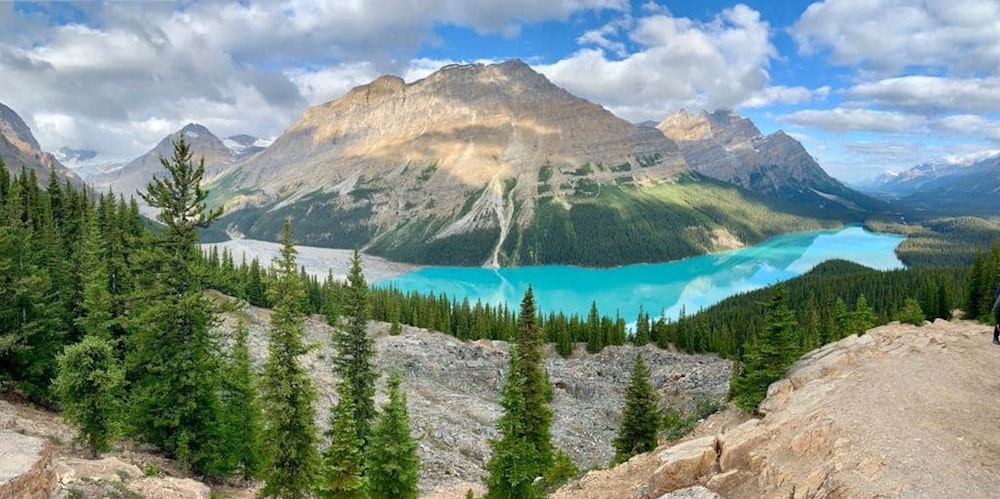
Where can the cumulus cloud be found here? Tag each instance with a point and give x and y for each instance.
(118, 76)
(681, 63)
(930, 94)
(841, 120)
(888, 36)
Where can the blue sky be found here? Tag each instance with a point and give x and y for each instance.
(866, 85)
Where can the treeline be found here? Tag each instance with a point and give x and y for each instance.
(941, 241)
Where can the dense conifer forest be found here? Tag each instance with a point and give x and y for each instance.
(87, 284)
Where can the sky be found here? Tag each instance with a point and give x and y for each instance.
(867, 86)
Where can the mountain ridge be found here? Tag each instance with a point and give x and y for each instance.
(19, 149)
(729, 147)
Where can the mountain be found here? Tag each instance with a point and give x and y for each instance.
(242, 146)
(729, 147)
(19, 149)
(484, 164)
(135, 174)
(956, 189)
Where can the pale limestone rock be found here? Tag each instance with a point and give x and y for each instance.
(777, 396)
(683, 464)
(169, 488)
(738, 444)
(71, 469)
(696, 492)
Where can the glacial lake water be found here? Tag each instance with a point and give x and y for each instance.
(660, 288)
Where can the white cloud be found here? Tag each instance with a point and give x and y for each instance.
(888, 36)
(134, 71)
(681, 63)
(841, 120)
(784, 95)
(933, 93)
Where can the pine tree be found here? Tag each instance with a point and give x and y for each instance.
(863, 318)
(512, 470)
(91, 387)
(393, 465)
(342, 471)
(639, 422)
(355, 350)
(244, 431)
(524, 450)
(911, 313)
(641, 329)
(174, 360)
(290, 433)
(767, 355)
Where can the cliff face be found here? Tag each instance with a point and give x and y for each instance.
(19, 150)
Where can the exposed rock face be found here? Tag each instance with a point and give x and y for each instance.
(901, 411)
(461, 149)
(19, 149)
(729, 147)
(25, 466)
(140, 171)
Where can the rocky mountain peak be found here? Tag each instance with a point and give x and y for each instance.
(13, 128)
(684, 126)
(729, 147)
(19, 149)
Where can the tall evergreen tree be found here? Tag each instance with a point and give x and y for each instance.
(355, 351)
(393, 464)
(639, 415)
(524, 450)
(242, 412)
(342, 472)
(174, 360)
(512, 470)
(768, 354)
(290, 433)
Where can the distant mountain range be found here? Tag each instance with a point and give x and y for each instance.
(19, 150)
(944, 187)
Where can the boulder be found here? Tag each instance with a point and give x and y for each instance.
(683, 464)
(738, 444)
(696, 492)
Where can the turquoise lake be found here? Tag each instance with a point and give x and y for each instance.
(660, 288)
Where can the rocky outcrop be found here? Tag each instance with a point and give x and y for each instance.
(25, 466)
(169, 488)
(729, 147)
(899, 411)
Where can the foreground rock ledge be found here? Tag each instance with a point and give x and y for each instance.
(901, 411)
(25, 466)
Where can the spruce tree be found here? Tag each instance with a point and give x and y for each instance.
(355, 351)
(91, 387)
(174, 361)
(524, 450)
(766, 355)
(511, 468)
(863, 318)
(244, 430)
(393, 464)
(640, 419)
(290, 434)
(342, 471)
(911, 313)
